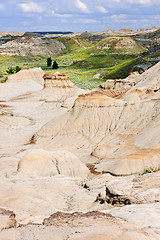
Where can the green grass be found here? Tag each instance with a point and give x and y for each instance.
(122, 70)
(81, 63)
(23, 62)
(75, 43)
(95, 62)
(153, 56)
(111, 43)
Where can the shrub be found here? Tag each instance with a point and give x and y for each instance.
(55, 65)
(49, 61)
(10, 70)
(150, 170)
(17, 69)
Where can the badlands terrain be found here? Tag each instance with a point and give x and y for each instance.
(87, 58)
(79, 164)
(80, 147)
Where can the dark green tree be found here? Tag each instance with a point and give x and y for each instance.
(55, 65)
(17, 69)
(49, 61)
(10, 70)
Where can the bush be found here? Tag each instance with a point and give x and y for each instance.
(49, 61)
(150, 170)
(55, 65)
(10, 70)
(17, 69)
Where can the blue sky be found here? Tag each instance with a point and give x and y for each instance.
(78, 15)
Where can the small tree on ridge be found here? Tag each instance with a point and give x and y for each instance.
(55, 65)
(49, 61)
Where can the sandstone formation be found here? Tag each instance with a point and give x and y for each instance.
(57, 80)
(78, 164)
(11, 33)
(120, 45)
(92, 225)
(59, 89)
(28, 45)
(7, 219)
(139, 33)
(97, 123)
(86, 34)
(22, 82)
(126, 83)
(41, 163)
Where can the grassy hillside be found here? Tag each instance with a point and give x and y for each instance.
(84, 60)
(126, 45)
(75, 43)
(122, 70)
(24, 62)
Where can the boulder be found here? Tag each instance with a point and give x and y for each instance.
(7, 219)
(41, 163)
(130, 164)
(23, 82)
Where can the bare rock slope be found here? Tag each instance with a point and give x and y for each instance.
(77, 164)
(28, 45)
(121, 134)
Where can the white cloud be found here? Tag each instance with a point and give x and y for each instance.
(61, 15)
(64, 21)
(1, 6)
(102, 9)
(88, 20)
(119, 18)
(140, 1)
(31, 7)
(82, 6)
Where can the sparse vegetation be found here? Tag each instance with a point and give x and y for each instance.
(49, 61)
(75, 43)
(122, 70)
(17, 69)
(55, 65)
(151, 169)
(12, 70)
(82, 60)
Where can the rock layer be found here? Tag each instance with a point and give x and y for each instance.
(40, 163)
(28, 45)
(115, 132)
(97, 120)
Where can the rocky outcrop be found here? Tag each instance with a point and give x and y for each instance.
(91, 225)
(6, 38)
(41, 163)
(57, 80)
(28, 45)
(7, 219)
(23, 82)
(126, 83)
(47, 150)
(120, 45)
(59, 218)
(128, 190)
(86, 34)
(104, 126)
(59, 89)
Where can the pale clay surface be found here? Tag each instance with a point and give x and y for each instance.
(60, 151)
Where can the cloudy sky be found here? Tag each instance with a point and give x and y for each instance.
(78, 15)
